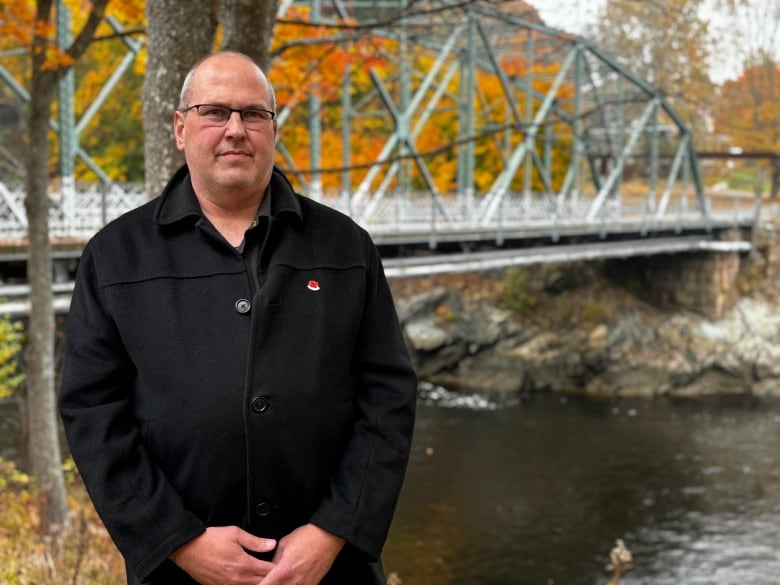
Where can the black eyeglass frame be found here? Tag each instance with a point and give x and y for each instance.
(230, 111)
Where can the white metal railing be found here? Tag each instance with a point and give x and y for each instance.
(82, 212)
(76, 214)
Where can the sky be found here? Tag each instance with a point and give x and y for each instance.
(568, 15)
(574, 15)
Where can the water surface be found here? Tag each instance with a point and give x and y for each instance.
(537, 491)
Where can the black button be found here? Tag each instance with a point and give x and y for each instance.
(260, 403)
(264, 509)
(243, 306)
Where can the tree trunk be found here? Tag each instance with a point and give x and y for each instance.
(43, 448)
(178, 34)
(44, 452)
(248, 27)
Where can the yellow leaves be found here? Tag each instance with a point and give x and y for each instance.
(83, 555)
(19, 26)
(11, 477)
(11, 337)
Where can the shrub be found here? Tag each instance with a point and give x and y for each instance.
(83, 555)
(516, 294)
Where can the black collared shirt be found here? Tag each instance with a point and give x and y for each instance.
(253, 239)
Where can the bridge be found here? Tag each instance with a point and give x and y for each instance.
(586, 159)
(418, 234)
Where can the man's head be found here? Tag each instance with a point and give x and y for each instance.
(229, 153)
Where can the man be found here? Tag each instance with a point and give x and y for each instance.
(236, 391)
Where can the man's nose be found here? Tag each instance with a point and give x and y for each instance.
(235, 123)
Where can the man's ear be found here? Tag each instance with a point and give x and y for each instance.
(179, 129)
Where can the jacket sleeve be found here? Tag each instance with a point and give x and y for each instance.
(365, 489)
(141, 510)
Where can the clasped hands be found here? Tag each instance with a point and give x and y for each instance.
(219, 557)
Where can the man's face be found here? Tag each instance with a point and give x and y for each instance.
(229, 163)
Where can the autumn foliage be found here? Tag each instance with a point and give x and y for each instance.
(310, 59)
(749, 108)
(313, 58)
(82, 556)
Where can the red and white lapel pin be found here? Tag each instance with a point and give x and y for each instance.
(313, 285)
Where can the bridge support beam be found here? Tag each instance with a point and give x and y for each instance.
(704, 282)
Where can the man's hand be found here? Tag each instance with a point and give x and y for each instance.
(304, 556)
(218, 557)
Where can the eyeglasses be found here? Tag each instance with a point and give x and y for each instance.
(217, 115)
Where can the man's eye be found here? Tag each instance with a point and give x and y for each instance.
(254, 115)
(214, 112)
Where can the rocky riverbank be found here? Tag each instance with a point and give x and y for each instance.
(579, 329)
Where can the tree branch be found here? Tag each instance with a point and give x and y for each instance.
(498, 129)
(402, 15)
(120, 35)
(87, 34)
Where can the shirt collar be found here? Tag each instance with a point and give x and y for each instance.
(178, 201)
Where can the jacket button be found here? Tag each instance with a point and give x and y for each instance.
(243, 306)
(263, 509)
(260, 403)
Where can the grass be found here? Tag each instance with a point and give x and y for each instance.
(83, 554)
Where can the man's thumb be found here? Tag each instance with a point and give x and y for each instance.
(256, 543)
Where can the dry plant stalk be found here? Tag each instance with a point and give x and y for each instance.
(621, 561)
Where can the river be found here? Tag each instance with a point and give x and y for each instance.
(536, 490)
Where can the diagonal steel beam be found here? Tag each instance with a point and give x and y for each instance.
(501, 184)
(617, 172)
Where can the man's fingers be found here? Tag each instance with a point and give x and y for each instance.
(255, 543)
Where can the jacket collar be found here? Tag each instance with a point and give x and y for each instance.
(178, 201)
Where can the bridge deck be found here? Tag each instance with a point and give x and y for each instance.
(419, 235)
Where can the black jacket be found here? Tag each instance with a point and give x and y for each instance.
(190, 399)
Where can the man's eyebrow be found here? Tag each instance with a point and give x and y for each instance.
(248, 106)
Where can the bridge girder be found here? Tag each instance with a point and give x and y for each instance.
(562, 100)
(560, 121)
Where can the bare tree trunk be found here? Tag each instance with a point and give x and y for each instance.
(178, 34)
(248, 27)
(43, 448)
(44, 452)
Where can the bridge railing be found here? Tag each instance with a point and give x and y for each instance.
(74, 213)
(82, 211)
(550, 216)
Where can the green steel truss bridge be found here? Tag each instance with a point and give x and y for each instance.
(587, 153)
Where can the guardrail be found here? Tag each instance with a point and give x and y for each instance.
(420, 218)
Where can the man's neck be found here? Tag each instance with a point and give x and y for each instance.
(231, 222)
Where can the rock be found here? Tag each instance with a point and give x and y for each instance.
(490, 372)
(482, 348)
(432, 364)
(425, 335)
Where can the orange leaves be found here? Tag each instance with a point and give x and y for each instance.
(313, 59)
(20, 29)
(17, 18)
(20, 33)
(128, 11)
(748, 111)
(308, 62)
